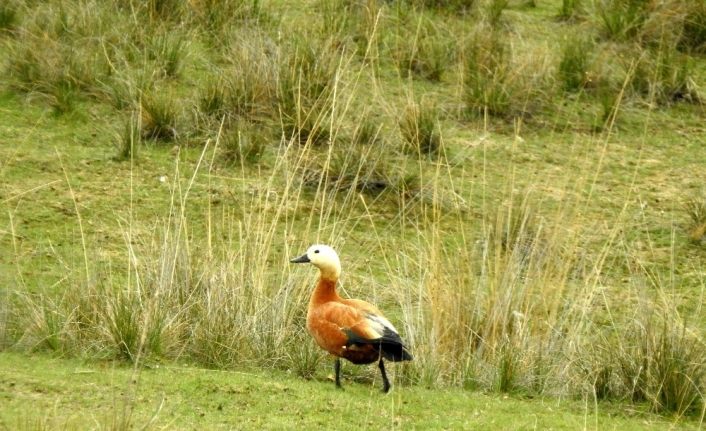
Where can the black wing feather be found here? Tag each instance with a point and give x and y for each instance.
(390, 344)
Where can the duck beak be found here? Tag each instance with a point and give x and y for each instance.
(301, 259)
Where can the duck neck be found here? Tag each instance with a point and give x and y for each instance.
(325, 291)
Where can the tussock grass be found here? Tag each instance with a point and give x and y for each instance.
(570, 10)
(696, 210)
(131, 138)
(159, 116)
(424, 50)
(622, 19)
(8, 17)
(419, 125)
(243, 144)
(575, 61)
(487, 73)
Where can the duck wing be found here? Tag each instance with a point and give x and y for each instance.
(356, 331)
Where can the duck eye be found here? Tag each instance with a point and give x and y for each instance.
(316, 251)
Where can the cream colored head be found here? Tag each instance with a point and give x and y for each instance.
(324, 258)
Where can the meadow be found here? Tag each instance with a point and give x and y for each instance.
(518, 184)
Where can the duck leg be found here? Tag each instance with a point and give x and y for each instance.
(385, 382)
(337, 368)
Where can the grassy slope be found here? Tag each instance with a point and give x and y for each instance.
(39, 392)
(637, 178)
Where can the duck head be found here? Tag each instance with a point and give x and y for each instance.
(324, 258)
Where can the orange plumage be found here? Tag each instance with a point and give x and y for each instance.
(348, 328)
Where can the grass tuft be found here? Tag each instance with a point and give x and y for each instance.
(419, 124)
(575, 62)
(487, 70)
(696, 210)
(130, 140)
(622, 20)
(159, 116)
(242, 145)
(9, 17)
(571, 10)
(424, 51)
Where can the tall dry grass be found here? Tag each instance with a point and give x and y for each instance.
(512, 303)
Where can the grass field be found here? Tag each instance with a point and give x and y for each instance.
(519, 185)
(45, 393)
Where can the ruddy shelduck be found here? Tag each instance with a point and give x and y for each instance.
(348, 328)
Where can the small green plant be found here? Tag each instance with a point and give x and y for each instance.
(307, 73)
(367, 132)
(130, 139)
(124, 88)
(160, 10)
(358, 169)
(213, 100)
(168, 50)
(608, 95)
(457, 6)
(575, 61)
(216, 16)
(8, 17)
(419, 125)
(486, 76)
(428, 52)
(696, 210)
(693, 34)
(62, 97)
(242, 145)
(159, 116)
(570, 10)
(507, 368)
(679, 373)
(493, 12)
(123, 317)
(622, 19)
(662, 75)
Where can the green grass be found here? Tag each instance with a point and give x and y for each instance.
(548, 245)
(48, 393)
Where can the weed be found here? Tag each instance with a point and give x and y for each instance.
(213, 100)
(428, 52)
(306, 77)
(131, 138)
(217, 15)
(356, 170)
(696, 210)
(622, 19)
(159, 10)
(507, 367)
(609, 98)
(659, 364)
(662, 76)
(249, 83)
(367, 131)
(570, 10)
(680, 377)
(487, 70)
(242, 145)
(574, 63)
(169, 50)
(8, 17)
(493, 12)
(159, 116)
(458, 6)
(419, 125)
(693, 34)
